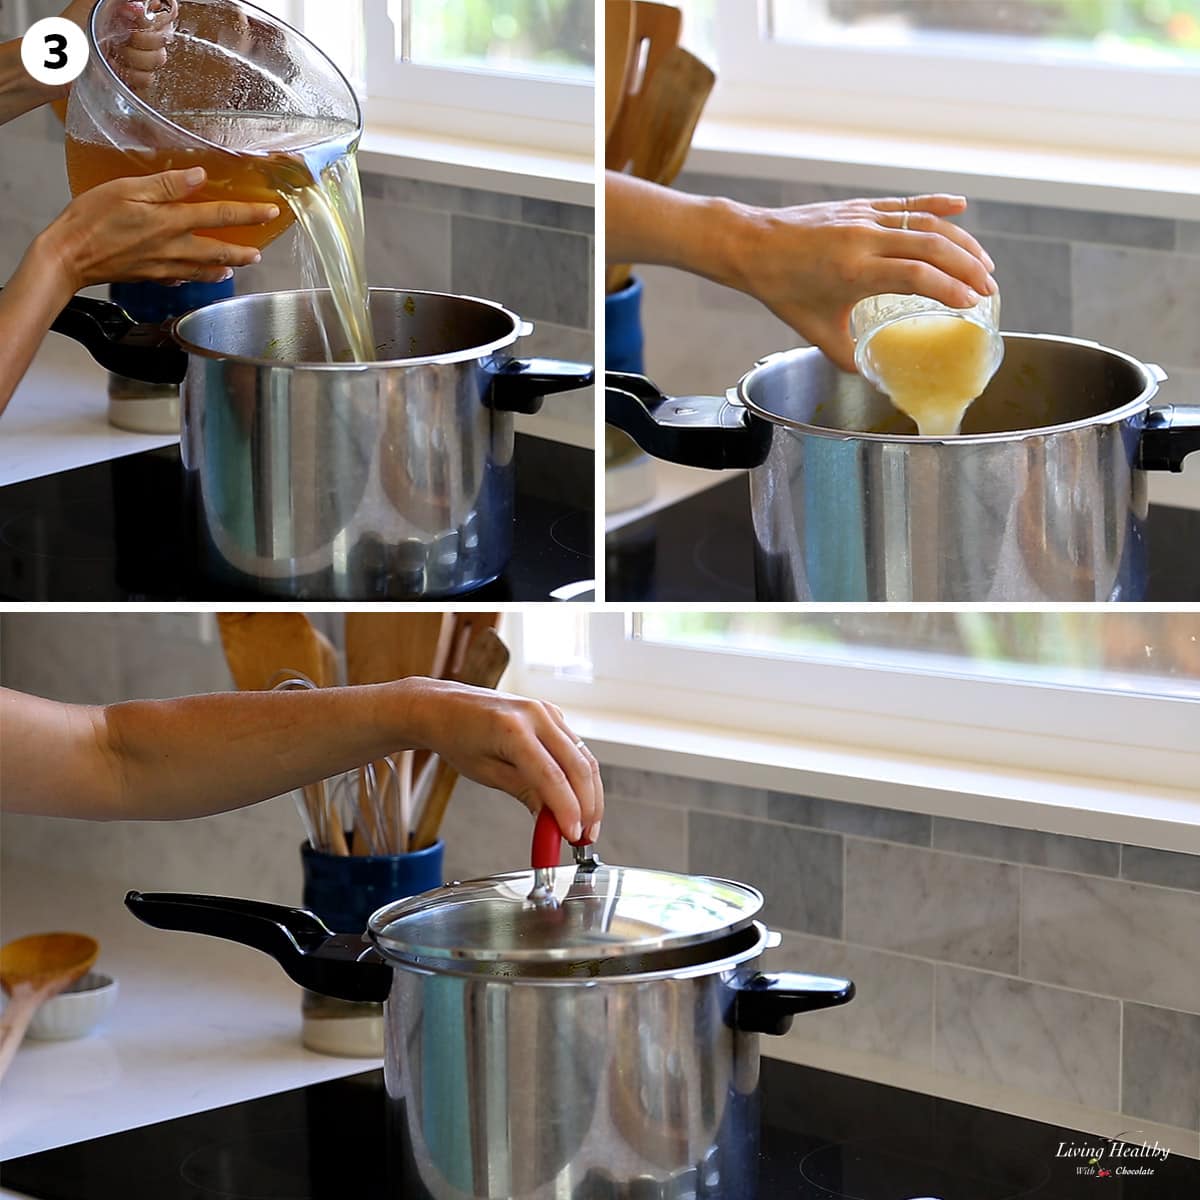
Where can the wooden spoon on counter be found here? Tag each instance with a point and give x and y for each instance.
(32, 969)
(486, 661)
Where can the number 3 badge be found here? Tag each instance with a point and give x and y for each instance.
(54, 51)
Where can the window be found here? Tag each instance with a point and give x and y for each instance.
(1118, 75)
(1110, 696)
(519, 72)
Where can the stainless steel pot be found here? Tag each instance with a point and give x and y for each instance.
(310, 479)
(606, 1047)
(1041, 498)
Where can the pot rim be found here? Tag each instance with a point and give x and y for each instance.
(739, 395)
(467, 354)
(135, 101)
(719, 966)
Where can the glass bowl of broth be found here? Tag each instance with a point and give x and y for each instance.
(931, 360)
(218, 84)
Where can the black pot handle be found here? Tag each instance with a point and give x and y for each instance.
(766, 1003)
(1171, 433)
(697, 431)
(120, 344)
(333, 964)
(521, 384)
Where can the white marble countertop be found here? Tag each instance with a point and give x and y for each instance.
(198, 1023)
(58, 417)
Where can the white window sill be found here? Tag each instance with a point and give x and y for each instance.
(1158, 817)
(461, 162)
(1152, 186)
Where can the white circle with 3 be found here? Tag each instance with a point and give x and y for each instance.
(54, 51)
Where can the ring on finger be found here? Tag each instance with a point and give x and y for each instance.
(904, 219)
(580, 744)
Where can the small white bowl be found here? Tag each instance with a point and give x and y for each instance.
(77, 1011)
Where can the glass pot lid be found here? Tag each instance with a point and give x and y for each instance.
(601, 912)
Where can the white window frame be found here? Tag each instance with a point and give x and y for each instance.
(550, 115)
(479, 105)
(929, 95)
(903, 709)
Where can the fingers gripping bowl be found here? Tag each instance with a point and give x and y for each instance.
(538, 1050)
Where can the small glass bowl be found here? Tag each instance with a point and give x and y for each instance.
(874, 313)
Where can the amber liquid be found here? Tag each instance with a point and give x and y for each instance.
(306, 167)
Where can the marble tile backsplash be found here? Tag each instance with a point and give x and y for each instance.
(1063, 968)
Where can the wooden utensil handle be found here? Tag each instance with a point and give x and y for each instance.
(435, 806)
(22, 1004)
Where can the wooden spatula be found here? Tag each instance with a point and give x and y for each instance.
(671, 106)
(618, 58)
(655, 31)
(32, 969)
(669, 111)
(465, 627)
(485, 663)
(261, 650)
(381, 647)
(259, 646)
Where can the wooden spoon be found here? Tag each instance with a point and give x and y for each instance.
(487, 658)
(32, 969)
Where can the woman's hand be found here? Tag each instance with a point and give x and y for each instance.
(140, 55)
(144, 229)
(811, 264)
(523, 747)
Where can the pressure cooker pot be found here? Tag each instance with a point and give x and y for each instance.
(583, 1031)
(1042, 497)
(310, 479)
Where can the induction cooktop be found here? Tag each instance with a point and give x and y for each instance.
(702, 549)
(823, 1137)
(117, 531)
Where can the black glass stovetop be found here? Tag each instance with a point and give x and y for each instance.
(702, 549)
(117, 531)
(824, 1137)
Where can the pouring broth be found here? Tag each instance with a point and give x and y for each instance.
(932, 367)
(306, 166)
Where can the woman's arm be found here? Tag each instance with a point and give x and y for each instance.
(19, 91)
(809, 264)
(129, 229)
(198, 755)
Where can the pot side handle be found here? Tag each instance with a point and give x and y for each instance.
(120, 344)
(338, 965)
(1170, 434)
(697, 431)
(766, 1002)
(521, 384)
